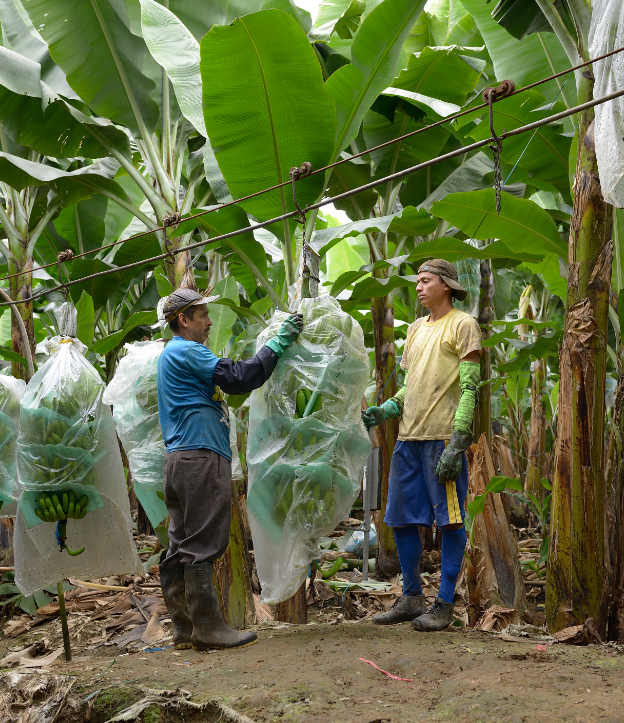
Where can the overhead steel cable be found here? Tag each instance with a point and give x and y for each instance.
(450, 119)
(368, 186)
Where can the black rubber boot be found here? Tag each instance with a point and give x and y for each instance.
(405, 608)
(172, 586)
(209, 630)
(438, 617)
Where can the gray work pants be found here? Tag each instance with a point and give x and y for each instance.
(198, 495)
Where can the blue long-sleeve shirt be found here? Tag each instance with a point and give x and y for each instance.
(191, 384)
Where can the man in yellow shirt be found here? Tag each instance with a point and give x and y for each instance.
(429, 474)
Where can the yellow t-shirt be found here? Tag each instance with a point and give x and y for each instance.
(431, 354)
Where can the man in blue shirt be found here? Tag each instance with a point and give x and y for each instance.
(197, 468)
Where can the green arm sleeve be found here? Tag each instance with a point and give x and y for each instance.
(469, 380)
(399, 397)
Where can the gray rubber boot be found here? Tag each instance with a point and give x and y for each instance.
(209, 630)
(438, 617)
(405, 608)
(172, 586)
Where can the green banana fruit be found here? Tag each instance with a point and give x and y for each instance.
(330, 572)
(301, 403)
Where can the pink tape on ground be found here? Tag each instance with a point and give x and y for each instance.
(385, 672)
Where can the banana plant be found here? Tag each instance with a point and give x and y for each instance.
(576, 557)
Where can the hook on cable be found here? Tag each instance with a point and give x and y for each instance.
(63, 256)
(297, 173)
(490, 95)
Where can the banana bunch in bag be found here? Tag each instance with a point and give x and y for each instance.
(11, 391)
(60, 427)
(307, 446)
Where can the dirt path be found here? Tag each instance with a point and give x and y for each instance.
(312, 674)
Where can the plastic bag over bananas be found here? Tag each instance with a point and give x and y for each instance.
(69, 466)
(11, 391)
(307, 445)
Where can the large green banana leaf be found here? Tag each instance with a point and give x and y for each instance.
(266, 109)
(82, 224)
(346, 177)
(522, 224)
(249, 262)
(374, 58)
(176, 49)
(442, 73)
(451, 249)
(20, 35)
(524, 17)
(346, 256)
(71, 186)
(103, 60)
(406, 153)
(32, 117)
(238, 8)
(467, 177)
(449, 23)
(301, 16)
(544, 153)
(409, 222)
(199, 16)
(526, 61)
(222, 316)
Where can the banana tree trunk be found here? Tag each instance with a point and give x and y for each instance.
(21, 288)
(612, 607)
(537, 435)
(382, 309)
(483, 412)
(576, 556)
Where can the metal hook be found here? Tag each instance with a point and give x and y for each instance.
(296, 173)
(171, 219)
(63, 256)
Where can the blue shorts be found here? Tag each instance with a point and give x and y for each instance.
(415, 497)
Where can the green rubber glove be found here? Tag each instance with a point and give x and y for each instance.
(376, 415)
(288, 332)
(450, 463)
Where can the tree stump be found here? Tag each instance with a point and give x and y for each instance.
(494, 554)
(295, 609)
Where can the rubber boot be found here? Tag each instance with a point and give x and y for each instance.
(209, 630)
(406, 607)
(438, 617)
(172, 586)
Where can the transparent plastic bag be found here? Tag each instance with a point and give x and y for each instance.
(237, 468)
(68, 454)
(305, 455)
(606, 34)
(61, 415)
(134, 397)
(11, 391)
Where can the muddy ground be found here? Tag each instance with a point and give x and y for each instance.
(313, 673)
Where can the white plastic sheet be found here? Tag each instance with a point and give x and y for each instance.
(67, 442)
(134, 397)
(305, 471)
(606, 34)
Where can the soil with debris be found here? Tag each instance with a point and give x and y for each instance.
(314, 672)
(124, 666)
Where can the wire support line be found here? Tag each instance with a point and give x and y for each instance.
(450, 119)
(347, 194)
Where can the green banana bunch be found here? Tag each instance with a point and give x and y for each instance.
(317, 508)
(303, 397)
(55, 508)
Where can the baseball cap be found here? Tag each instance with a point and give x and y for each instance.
(182, 299)
(446, 271)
